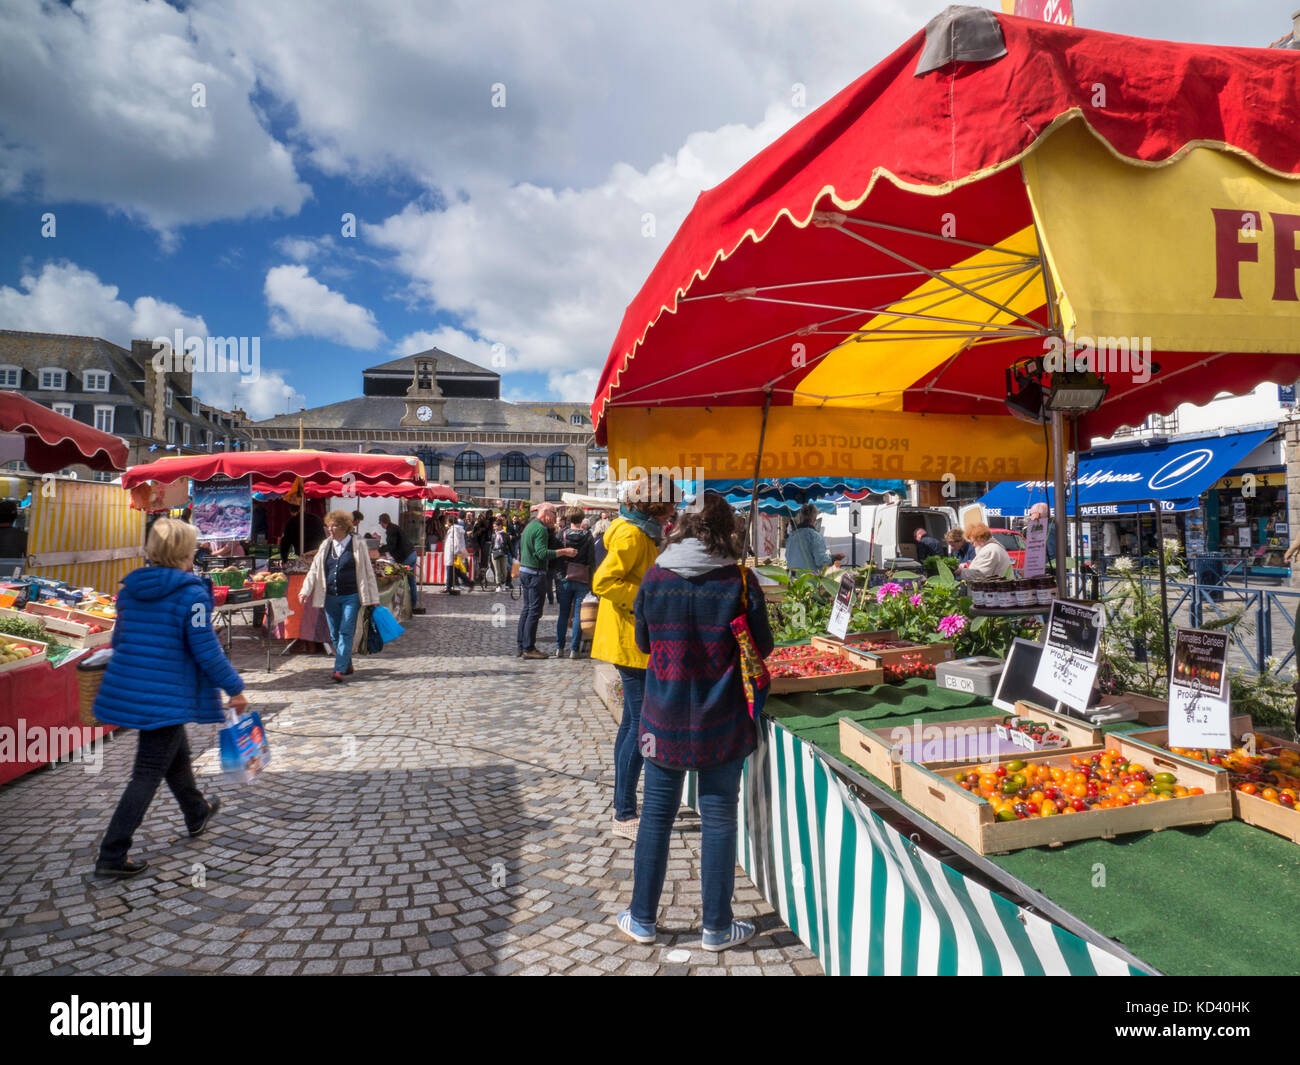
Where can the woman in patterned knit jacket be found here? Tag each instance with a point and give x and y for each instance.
(694, 714)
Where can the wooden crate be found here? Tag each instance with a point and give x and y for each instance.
(856, 678)
(826, 641)
(970, 817)
(40, 655)
(932, 653)
(63, 629)
(1282, 820)
(877, 752)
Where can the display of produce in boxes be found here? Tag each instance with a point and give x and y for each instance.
(806, 668)
(229, 577)
(900, 659)
(1263, 770)
(1048, 799)
(15, 652)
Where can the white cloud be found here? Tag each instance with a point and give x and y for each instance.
(302, 306)
(64, 298)
(99, 107)
(548, 273)
(265, 397)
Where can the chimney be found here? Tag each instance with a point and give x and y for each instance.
(1295, 29)
(155, 385)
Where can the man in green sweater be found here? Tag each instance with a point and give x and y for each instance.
(534, 554)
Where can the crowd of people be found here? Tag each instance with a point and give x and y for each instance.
(670, 590)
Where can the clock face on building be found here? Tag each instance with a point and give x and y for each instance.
(424, 413)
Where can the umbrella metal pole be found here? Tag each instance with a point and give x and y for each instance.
(1164, 589)
(1058, 497)
(753, 495)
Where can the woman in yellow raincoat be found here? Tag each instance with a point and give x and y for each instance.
(632, 545)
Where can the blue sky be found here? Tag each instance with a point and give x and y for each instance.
(510, 235)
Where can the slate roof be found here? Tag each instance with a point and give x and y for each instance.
(385, 413)
(448, 364)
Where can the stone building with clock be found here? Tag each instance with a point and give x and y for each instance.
(449, 413)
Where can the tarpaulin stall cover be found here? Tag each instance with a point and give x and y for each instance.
(1119, 204)
(1129, 480)
(314, 467)
(53, 441)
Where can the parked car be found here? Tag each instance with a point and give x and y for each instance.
(1014, 542)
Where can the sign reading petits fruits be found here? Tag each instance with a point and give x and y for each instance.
(1199, 696)
(842, 611)
(1067, 669)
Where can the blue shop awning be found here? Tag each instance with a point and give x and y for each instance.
(1170, 477)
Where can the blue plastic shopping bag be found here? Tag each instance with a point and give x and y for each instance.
(388, 627)
(245, 751)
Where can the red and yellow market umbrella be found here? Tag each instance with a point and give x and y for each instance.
(996, 190)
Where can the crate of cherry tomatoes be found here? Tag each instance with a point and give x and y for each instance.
(1264, 774)
(806, 668)
(1054, 798)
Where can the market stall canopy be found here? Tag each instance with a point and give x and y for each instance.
(875, 272)
(343, 489)
(47, 441)
(804, 489)
(586, 502)
(1137, 479)
(314, 467)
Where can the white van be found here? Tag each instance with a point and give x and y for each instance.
(887, 531)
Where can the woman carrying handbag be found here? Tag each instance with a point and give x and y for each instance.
(695, 713)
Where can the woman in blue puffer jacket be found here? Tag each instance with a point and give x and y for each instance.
(166, 669)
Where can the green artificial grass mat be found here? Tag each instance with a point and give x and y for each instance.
(1206, 900)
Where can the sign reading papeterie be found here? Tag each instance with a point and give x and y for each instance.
(842, 611)
(1199, 696)
(1068, 666)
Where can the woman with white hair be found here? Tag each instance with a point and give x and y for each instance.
(806, 550)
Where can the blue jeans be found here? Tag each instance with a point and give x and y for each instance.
(415, 589)
(569, 594)
(719, 792)
(341, 614)
(627, 750)
(530, 613)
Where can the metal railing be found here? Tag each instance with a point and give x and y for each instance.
(1259, 609)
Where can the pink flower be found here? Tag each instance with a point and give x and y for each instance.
(951, 625)
(916, 599)
(886, 591)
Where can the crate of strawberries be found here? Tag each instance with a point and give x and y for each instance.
(808, 668)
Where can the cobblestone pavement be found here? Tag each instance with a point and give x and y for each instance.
(445, 811)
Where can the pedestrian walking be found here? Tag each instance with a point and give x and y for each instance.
(501, 555)
(631, 544)
(453, 547)
(695, 715)
(341, 581)
(535, 557)
(574, 583)
(167, 669)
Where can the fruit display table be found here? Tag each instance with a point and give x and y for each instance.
(38, 718)
(857, 872)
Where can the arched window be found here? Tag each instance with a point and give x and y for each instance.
(514, 468)
(469, 466)
(559, 467)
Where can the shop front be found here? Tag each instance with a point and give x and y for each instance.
(1223, 498)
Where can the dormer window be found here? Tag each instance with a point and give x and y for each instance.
(577, 419)
(95, 381)
(54, 380)
(10, 376)
(171, 396)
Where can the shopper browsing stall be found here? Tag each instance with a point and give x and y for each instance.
(400, 550)
(695, 715)
(806, 550)
(573, 583)
(631, 543)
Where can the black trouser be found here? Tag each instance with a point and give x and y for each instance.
(160, 754)
(530, 612)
